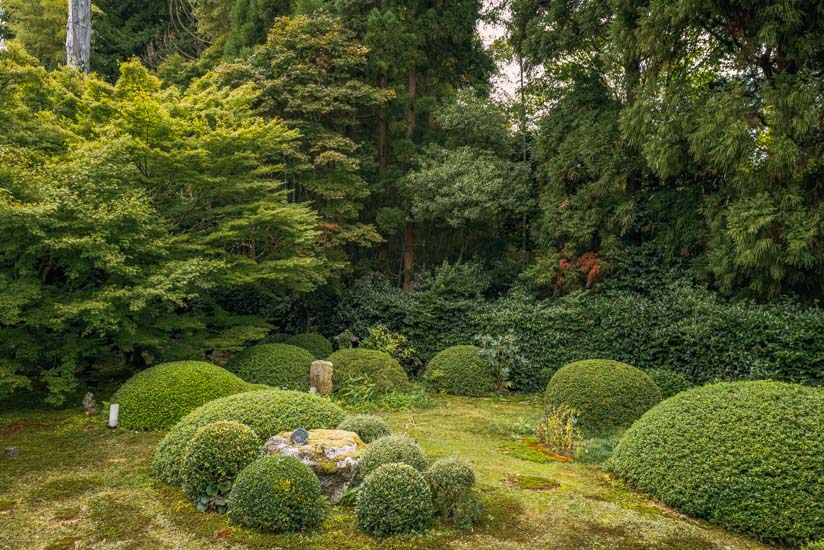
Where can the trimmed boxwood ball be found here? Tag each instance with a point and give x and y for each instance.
(451, 480)
(605, 393)
(277, 365)
(394, 499)
(215, 456)
(367, 426)
(159, 396)
(267, 412)
(315, 344)
(748, 456)
(379, 367)
(276, 493)
(460, 370)
(389, 449)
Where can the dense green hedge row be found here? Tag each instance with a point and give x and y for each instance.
(684, 329)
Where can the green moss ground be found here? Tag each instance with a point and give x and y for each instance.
(77, 484)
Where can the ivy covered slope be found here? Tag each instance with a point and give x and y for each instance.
(159, 396)
(748, 456)
(266, 412)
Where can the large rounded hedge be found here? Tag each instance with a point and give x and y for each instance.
(394, 499)
(214, 457)
(460, 370)
(380, 368)
(276, 493)
(368, 427)
(748, 456)
(390, 449)
(605, 393)
(159, 396)
(267, 412)
(277, 365)
(315, 344)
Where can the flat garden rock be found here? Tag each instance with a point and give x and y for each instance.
(333, 455)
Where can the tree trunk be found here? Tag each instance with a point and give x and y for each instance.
(409, 227)
(79, 35)
(408, 256)
(382, 132)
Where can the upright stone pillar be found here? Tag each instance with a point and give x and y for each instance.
(320, 377)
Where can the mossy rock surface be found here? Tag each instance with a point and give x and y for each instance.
(748, 456)
(160, 396)
(606, 394)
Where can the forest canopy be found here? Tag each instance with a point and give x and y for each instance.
(230, 162)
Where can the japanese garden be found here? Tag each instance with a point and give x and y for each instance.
(352, 274)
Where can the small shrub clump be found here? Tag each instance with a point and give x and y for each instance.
(747, 456)
(276, 493)
(460, 370)
(159, 396)
(267, 412)
(670, 382)
(277, 365)
(451, 481)
(394, 499)
(213, 459)
(604, 393)
(315, 344)
(375, 367)
(367, 426)
(389, 449)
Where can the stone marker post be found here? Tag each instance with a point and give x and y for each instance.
(320, 377)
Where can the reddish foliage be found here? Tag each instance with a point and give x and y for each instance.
(589, 265)
(327, 232)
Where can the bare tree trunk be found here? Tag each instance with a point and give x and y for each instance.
(409, 227)
(79, 35)
(408, 256)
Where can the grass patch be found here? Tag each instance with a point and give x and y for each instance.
(531, 483)
(65, 487)
(77, 488)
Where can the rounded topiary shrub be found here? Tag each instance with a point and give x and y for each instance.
(315, 344)
(275, 338)
(267, 412)
(460, 370)
(378, 367)
(159, 396)
(389, 449)
(748, 456)
(277, 365)
(670, 382)
(213, 459)
(394, 499)
(276, 493)
(451, 481)
(367, 426)
(604, 393)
